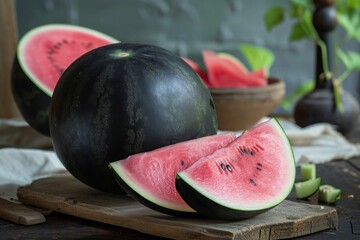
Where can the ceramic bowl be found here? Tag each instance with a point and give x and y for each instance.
(242, 108)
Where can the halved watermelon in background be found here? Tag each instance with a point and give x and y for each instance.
(252, 174)
(150, 177)
(43, 54)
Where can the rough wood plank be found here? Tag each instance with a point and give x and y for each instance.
(288, 220)
(8, 42)
(20, 214)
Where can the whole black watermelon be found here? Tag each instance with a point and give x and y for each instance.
(123, 99)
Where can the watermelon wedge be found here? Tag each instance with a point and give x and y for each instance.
(150, 177)
(261, 73)
(252, 174)
(43, 54)
(233, 61)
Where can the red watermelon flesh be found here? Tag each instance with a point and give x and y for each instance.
(234, 62)
(222, 74)
(150, 177)
(45, 52)
(197, 69)
(261, 73)
(249, 176)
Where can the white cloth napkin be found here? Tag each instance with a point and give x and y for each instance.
(22, 166)
(318, 143)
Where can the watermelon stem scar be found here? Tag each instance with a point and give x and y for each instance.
(123, 54)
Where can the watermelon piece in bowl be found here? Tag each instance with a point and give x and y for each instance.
(251, 175)
(235, 62)
(42, 55)
(225, 71)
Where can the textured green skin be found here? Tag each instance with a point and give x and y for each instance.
(106, 107)
(31, 101)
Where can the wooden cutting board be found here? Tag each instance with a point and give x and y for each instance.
(67, 195)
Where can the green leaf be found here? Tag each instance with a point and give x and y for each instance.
(304, 3)
(273, 17)
(303, 28)
(298, 32)
(354, 60)
(351, 59)
(350, 22)
(257, 57)
(354, 4)
(297, 93)
(299, 7)
(343, 58)
(344, 22)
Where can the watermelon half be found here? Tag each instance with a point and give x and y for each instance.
(43, 54)
(252, 174)
(150, 177)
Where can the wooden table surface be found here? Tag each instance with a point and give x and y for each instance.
(342, 174)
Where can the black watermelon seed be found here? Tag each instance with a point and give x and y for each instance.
(252, 153)
(182, 163)
(245, 151)
(258, 168)
(259, 164)
(222, 166)
(252, 182)
(229, 168)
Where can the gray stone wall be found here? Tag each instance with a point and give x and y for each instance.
(185, 27)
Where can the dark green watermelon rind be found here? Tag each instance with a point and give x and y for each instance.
(143, 200)
(210, 208)
(31, 101)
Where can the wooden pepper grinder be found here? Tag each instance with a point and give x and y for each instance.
(319, 105)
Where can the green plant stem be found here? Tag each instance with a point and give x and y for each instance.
(323, 49)
(324, 58)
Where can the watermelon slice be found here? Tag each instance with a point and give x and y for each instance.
(42, 55)
(233, 61)
(224, 73)
(261, 73)
(150, 177)
(252, 174)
